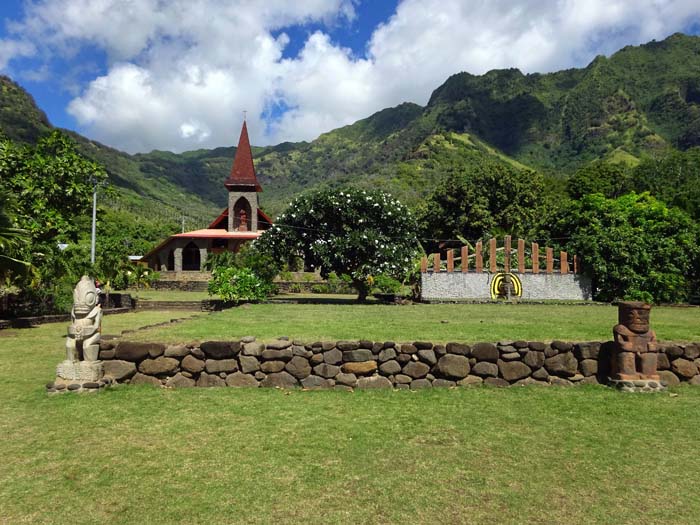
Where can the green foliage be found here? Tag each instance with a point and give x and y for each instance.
(249, 256)
(610, 180)
(674, 178)
(11, 239)
(354, 232)
(632, 247)
(386, 284)
(238, 284)
(488, 200)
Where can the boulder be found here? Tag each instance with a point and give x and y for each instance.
(346, 379)
(179, 381)
(470, 381)
(364, 383)
(390, 367)
(427, 356)
(416, 369)
(562, 346)
(589, 367)
(364, 343)
(540, 374)
(326, 370)
(273, 354)
(668, 378)
(209, 380)
(485, 369)
(215, 366)
(347, 346)
(402, 379)
(673, 351)
(458, 349)
(220, 349)
(485, 352)
(695, 380)
(510, 356)
(357, 356)
(176, 351)
(249, 364)
(119, 370)
(316, 359)
(386, 355)
(453, 366)
(143, 379)
(662, 362)
(587, 350)
(513, 370)
(156, 351)
(550, 351)
(134, 352)
(377, 347)
(423, 345)
(317, 383)
(537, 346)
(408, 349)
(403, 358)
(253, 349)
(559, 381)
(684, 368)
(279, 344)
(419, 384)
(280, 380)
(564, 364)
(534, 359)
(159, 366)
(444, 383)
(521, 344)
(270, 367)
(439, 350)
(192, 365)
(692, 351)
(496, 381)
(333, 357)
(105, 355)
(389, 344)
(299, 367)
(361, 369)
(239, 380)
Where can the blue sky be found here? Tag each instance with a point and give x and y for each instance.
(146, 74)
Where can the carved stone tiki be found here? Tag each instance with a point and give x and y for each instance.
(635, 352)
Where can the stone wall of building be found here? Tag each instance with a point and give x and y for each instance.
(369, 364)
(436, 286)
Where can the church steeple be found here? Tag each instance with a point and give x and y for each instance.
(243, 172)
(243, 188)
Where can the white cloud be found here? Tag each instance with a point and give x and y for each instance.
(181, 71)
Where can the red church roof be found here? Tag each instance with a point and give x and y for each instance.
(243, 171)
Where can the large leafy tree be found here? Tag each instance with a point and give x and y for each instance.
(11, 240)
(633, 247)
(610, 180)
(488, 199)
(355, 232)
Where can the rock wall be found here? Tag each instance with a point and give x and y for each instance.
(367, 364)
(472, 285)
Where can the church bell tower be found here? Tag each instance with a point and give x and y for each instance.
(243, 188)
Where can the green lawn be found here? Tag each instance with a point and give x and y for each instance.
(479, 455)
(168, 295)
(437, 323)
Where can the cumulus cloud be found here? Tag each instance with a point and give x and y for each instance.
(180, 72)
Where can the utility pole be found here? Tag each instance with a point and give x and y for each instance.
(94, 220)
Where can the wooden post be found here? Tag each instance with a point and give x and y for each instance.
(521, 256)
(535, 258)
(450, 260)
(492, 256)
(507, 248)
(577, 264)
(423, 264)
(563, 263)
(550, 260)
(479, 257)
(436, 262)
(465, 259)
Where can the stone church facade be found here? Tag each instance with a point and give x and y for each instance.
(242, 221)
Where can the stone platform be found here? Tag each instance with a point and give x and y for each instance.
(61, 386)
(637, 385)
(80, 370)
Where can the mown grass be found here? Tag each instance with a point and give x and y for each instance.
(437, 323)
(519, 455)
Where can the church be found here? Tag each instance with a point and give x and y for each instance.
(240, 222)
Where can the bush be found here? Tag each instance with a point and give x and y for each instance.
(238, 284)
(386, 284)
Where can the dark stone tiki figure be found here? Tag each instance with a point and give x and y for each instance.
(635, 352)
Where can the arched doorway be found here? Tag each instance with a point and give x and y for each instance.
(191, 261)
(242, 215)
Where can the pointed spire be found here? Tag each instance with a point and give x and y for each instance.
(243, 171)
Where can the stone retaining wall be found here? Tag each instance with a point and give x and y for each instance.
(367, 364)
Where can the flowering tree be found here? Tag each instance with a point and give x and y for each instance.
(355, 232)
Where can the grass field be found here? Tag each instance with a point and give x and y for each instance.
(479, 455)
(436, 323)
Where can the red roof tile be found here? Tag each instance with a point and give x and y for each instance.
(243, 171)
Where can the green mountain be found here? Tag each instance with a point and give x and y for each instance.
(640, 101)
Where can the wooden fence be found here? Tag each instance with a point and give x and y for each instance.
(513, 259)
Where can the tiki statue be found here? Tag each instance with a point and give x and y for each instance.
(635, 352)
(83, 341)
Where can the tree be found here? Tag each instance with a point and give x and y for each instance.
(489, 199)
(632, 247)
(610, 180)
(354, 232)
(10, 239)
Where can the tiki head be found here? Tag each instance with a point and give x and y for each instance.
(84, 296)
(634, 315)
